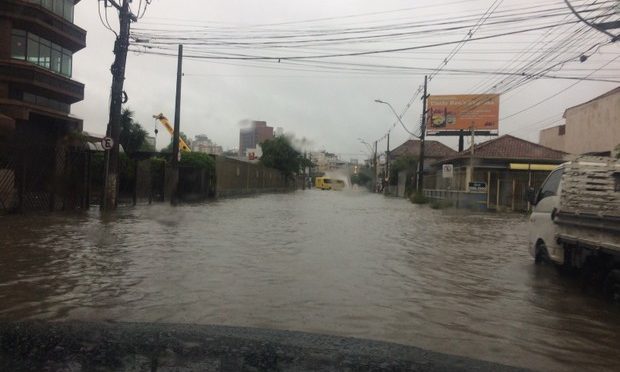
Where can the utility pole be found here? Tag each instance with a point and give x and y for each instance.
(303, 182)
(374, 179)
(387, 165)
(121, 45)
(470, 172)
(420, 183)
(176, 154)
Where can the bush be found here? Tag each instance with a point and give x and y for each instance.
(361, 179)
(418, 198)
(440, 204)
(197, 160)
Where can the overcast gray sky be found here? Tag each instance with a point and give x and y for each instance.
(332, 110)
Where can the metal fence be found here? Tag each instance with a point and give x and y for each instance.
(51, 178)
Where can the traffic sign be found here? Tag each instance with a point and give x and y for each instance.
(477, 186)
(107, 143)
(448, 171)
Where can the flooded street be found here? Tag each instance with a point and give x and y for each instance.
(344, 263)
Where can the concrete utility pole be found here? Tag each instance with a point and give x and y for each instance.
(375, 169)
(117, 97)
(420, 183)
(176, 154)
(387, 164)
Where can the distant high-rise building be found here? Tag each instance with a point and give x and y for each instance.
(202, 143)
(254, 135)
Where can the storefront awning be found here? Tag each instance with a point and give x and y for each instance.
(533, 167)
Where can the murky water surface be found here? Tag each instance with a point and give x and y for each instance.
(344, 263)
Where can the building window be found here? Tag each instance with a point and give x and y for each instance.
(32, 49)
(18, 44)
(45, 50)
(562, 130)
(42, 52)
(46, 102)
(63, 8)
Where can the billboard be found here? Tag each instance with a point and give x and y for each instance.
(456, 112)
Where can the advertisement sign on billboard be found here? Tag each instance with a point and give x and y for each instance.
(456, 112)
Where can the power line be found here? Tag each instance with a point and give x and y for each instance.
(558, 93)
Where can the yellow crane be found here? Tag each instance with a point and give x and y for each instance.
(166, 123)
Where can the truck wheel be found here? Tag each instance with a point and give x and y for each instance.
(541, 253)
(611, 285)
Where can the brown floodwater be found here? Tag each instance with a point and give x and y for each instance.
(344, 263)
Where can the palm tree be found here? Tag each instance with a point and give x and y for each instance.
(133, 136)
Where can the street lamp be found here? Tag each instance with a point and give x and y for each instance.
(367, 145)
(397, 117)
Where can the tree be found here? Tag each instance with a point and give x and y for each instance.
(279, 154)
(409, 163)
(132, 136)
(198, 160)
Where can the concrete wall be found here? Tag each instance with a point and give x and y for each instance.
(235, 177)
(551, 138)
(591, 127)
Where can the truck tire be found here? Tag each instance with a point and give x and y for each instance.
(542, 255)
(611, 285)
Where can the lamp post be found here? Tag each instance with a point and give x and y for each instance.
(397, 117)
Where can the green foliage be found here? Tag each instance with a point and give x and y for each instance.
(361, 179)
(132, 136)
(279, 154)
(168, 148)
(440, 204)
(408, 163)
(75, 138)
(618, 151)
(126, 168)
(418, 198)
(197, 160)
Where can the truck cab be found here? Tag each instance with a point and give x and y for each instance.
(542, 229)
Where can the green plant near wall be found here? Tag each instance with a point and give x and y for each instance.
(418, 198)
(197, 160)
(408, 163)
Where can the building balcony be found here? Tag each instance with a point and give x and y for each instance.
(37, 80)
(35, 18)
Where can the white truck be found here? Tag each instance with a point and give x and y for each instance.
(575, 220)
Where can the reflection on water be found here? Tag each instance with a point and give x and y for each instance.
(348, 263)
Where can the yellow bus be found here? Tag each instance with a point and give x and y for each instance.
(323, 183)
